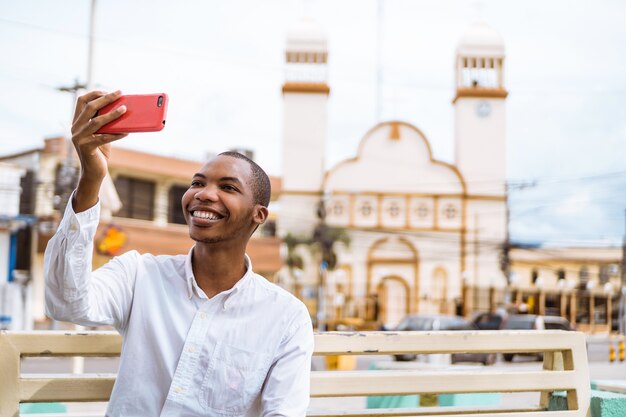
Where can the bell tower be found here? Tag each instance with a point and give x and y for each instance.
(480, 139)
(480, 129)
(305, 123)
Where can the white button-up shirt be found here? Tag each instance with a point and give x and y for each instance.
(244, 352)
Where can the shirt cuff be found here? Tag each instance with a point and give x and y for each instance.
(75, 221)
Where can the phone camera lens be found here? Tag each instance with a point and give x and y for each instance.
(160, 101)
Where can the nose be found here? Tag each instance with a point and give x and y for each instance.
(208, 193)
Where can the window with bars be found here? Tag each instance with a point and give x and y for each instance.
(27, 198)
(23, 256)
(174, 207)
(137, 197)
(534, 276)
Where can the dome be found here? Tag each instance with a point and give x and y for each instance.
(481, 39)
(306, 36)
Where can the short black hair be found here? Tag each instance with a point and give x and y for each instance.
(260, 182)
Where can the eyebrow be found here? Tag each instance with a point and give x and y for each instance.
(233, 179)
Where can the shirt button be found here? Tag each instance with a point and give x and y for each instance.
(191, 349)
(178, 390)
(202, 316)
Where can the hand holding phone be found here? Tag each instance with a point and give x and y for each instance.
(144, 113)
(93, 150)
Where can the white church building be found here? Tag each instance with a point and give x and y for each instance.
(419, 228)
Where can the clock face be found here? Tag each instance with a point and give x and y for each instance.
(483, 108)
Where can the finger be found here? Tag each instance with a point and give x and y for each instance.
(97, 122)
(82, 101)
(92, 106)
(89, 144)
(86, 139)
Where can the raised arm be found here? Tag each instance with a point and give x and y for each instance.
(93, 149)
(73, 292)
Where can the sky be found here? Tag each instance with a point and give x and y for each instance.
(221, 63)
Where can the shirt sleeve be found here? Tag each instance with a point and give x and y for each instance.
(286, 390)
(73, 292)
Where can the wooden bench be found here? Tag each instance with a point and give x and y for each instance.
(565, 369)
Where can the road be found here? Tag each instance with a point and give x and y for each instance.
(599, 368)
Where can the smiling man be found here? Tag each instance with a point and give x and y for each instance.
(203, 335)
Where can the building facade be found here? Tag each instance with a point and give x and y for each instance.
(582, 284)
(419, 228)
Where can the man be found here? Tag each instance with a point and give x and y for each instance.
(203, 335)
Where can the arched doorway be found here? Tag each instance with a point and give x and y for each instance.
(392, 267)
(394, 299)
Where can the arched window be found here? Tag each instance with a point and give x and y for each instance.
(175, 210)
(583, 277)
(605, 273)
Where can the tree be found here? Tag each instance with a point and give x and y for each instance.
(322, 246)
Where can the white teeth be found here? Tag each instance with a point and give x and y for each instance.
(205, 215)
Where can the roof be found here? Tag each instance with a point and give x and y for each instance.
(165, 166)
(306, 36)
(481, 40)
(20, 154)
(394, 149)
(150, 163)
(571, 254)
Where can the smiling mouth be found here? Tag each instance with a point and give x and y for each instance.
(206, 215)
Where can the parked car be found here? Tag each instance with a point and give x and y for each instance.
(436, 322)
(557, 323)
(489, 321)
(533, 322)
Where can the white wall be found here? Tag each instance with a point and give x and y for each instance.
(481, 145)
(10, 189)
(304, 140)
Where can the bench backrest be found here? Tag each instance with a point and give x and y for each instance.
(565, 368)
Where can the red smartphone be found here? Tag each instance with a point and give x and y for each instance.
(144, 113)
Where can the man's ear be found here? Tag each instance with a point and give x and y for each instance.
(260, 214)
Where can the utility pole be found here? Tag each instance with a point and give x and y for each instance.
(475, 295)
(506, 260)
(621, 320)
(623, 270)
(92, 29)
(379, 64)
(67, 176)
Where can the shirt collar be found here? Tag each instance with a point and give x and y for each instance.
(191, 281)
(192, 285)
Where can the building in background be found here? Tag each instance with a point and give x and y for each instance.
(419, 228)
(582, 284)
(424, 235)
(15, 252)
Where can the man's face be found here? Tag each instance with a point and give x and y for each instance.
(219, 204)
